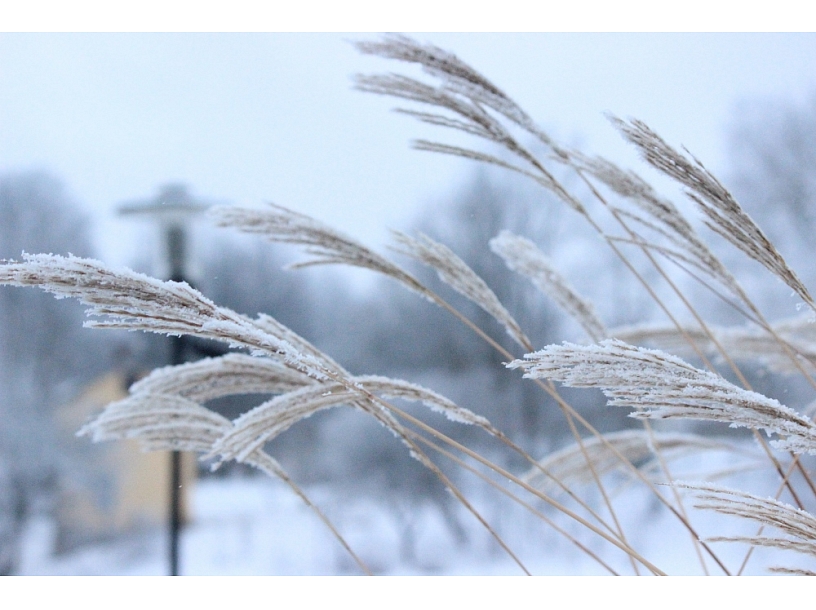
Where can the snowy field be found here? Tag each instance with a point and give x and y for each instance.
(256, 526)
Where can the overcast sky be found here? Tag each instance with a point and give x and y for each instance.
(248, 118)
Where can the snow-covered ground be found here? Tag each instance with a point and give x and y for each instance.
(256, 526)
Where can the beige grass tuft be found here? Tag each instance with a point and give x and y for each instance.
(523, 256)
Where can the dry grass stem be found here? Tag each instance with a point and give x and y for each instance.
(515, 498)
(569, 465)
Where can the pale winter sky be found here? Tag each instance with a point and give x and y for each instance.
(248, 118)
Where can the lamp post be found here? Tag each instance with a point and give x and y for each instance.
(172, 209)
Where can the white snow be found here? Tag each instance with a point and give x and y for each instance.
(257, 526)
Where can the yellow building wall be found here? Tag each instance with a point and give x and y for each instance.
(138, 493)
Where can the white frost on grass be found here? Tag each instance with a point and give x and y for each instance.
(212, 378)
(124, 299)
(266, 421)
(661, 386)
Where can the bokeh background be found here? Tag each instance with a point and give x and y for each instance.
(92, 122)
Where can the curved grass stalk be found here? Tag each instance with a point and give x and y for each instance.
(518, 500)
(266, 464)
(523, 256)
(637, 445)
(454, 272)
(426, 461)
(504, 473)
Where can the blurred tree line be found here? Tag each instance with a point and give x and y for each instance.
(46, 356)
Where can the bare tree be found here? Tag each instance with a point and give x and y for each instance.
(772, 146)
(440, 347)
(43, 351)
(773, 157)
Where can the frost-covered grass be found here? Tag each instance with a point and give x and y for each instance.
(695, 498)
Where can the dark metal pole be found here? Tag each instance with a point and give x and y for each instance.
(175, 513)
(171, 207)
(175, 253)
(175, 479)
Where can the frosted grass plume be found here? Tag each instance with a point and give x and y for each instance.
(659, 216)
(466, 98)
(454, 272)
(212, 378)
(523, 256)
(723, 214)
(325, 245)
(127, 300)
(661, 386)
(797, 524)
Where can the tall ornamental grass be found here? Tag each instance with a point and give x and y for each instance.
(646, 369)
